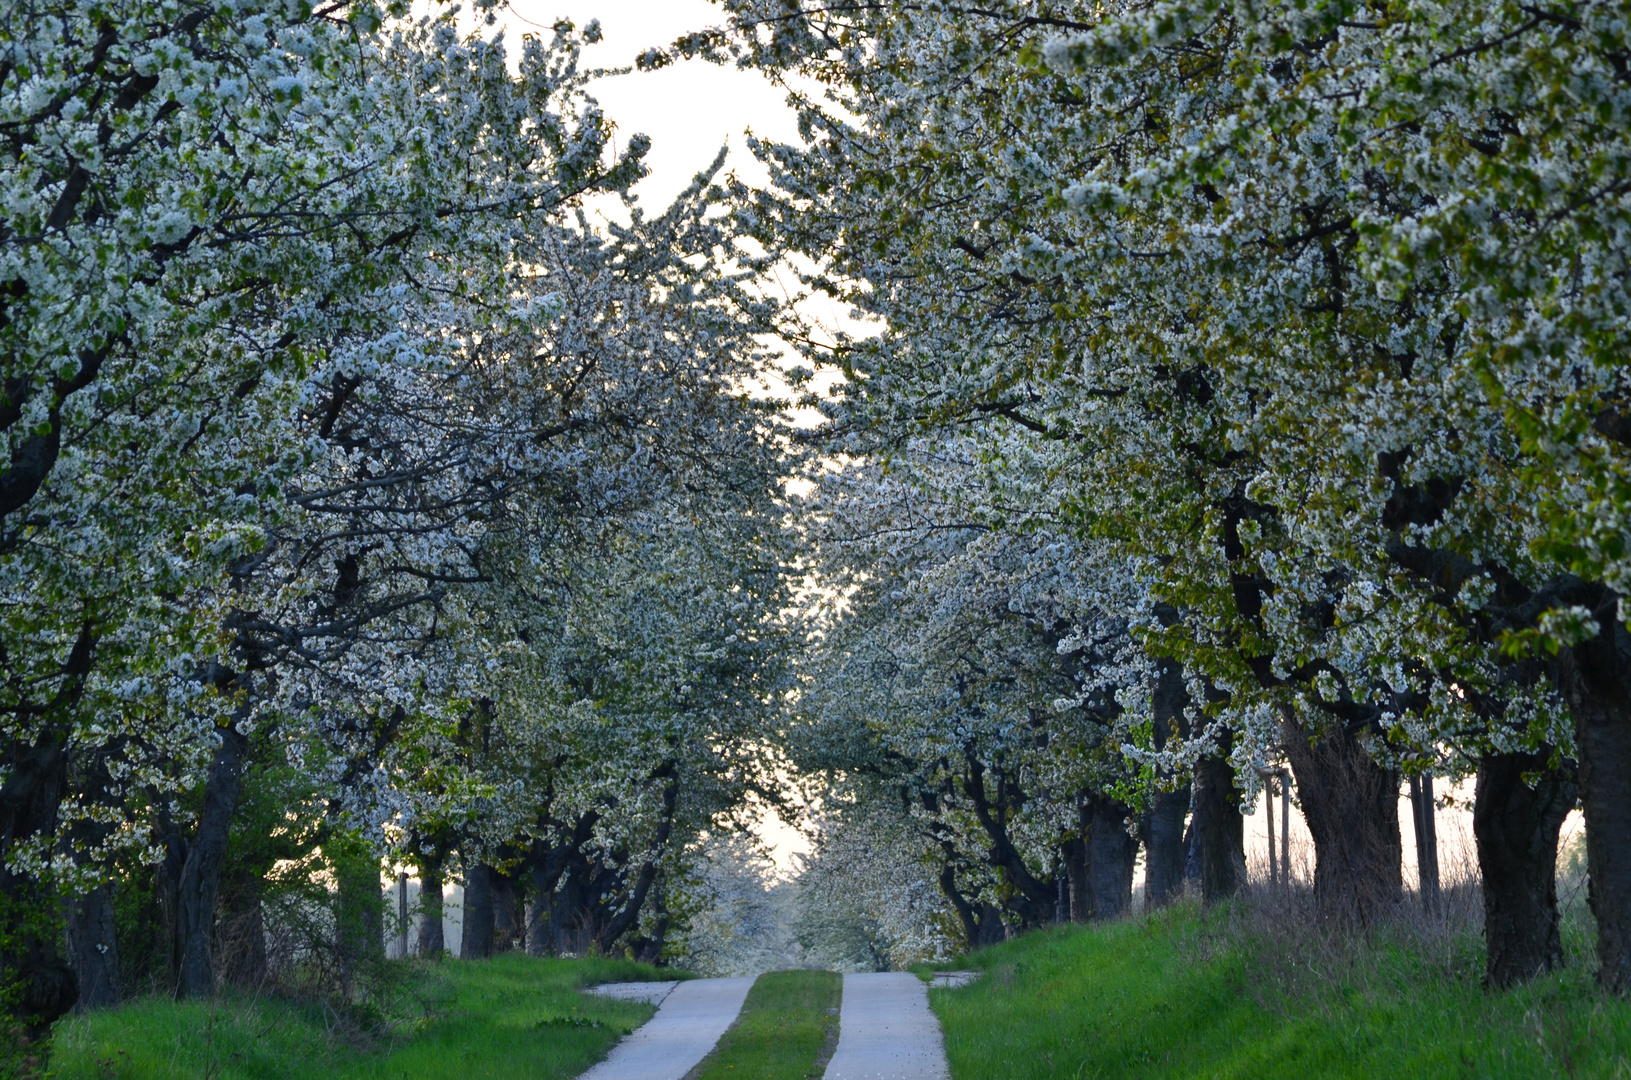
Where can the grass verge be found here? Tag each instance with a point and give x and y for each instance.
(786, 1023)
(508, 1017)
(1228, 993)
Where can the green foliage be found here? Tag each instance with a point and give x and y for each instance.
(786, 1022)
(511, 1016)
(1192, 994)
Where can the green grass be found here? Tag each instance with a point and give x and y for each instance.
(1216, 995)
(511, 1017)
(783, 1029)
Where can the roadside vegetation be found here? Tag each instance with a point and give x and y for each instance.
(514, 1016)
(1253, 988)
(787, 1030)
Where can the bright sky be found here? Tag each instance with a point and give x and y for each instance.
(689, 109)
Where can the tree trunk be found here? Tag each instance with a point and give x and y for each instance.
(1352, 808)
(1077, 862)
(982, 922)
(1424, 816)
(93, 948)
(1516, 828)
(1192, 848)
(36, 772)
(1112, 853)
(1220, 831)
(478, 913)
(30, 958)
(200, 879)
(1162, 830)
(540, 901)
(507, 928)
(430, 941)
(1595, 677)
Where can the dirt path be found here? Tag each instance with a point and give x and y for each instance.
(886, 1031)
(689, 1021)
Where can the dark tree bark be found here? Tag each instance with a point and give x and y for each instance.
(430, 940)
(1162, 827)
(1076, 858)
(477, 939)
(1034, 898)
(1351, 806)
(167, 889)
(1516, 828)
(648, 948)
(1112, 853)
(982, 922)
(1162, 830)
(1424, 819)
(31, 957)
(199, 884)
(627, 918)
(540, 902)
(93, 948)
(1595, 677)
(507, 926)
(1192, 849)
(1220, 831)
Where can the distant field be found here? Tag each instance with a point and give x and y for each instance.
(511, 1017)
(1228, 994)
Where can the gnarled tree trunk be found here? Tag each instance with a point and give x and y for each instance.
(982, 922)
(1352, 808)
(93, 948)
(1595, 677)
(507, 926)
(1516, 827)
(429, 938)
(199, 883)
(1162, 830)
(1076, 858)
(1162, 827)
(1220, 831)
(1112, 853)
(477, 942)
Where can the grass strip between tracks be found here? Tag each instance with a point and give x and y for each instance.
(785, 1030)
